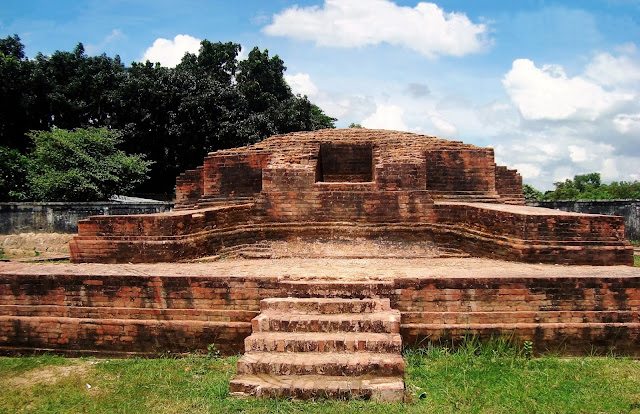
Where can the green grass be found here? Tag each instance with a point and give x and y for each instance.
(635, 243)
(495, 379)
(636, 261)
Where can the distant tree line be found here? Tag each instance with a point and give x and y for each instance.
(586, 187)
(170, 117)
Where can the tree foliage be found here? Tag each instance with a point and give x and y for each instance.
(587, 187)
(530, 193)
(174, 116)
(82, 165)
(13, 174)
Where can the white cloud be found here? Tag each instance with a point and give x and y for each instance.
(627, 123)
(386, 117)
(443, 128)
(578, 154)
(609, 70)
(548, 94)
(170, 52)
(346, 108)
(301, 83)
(425, 28)
(527, 171)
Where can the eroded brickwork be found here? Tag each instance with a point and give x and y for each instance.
(366, 181)
(133, 309)
(509, 185)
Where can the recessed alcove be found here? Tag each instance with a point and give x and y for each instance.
(352, 163)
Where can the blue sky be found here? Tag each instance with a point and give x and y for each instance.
(553, 86)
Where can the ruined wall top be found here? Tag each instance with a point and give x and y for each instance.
(388, 146)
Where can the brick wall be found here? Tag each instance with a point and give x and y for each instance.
(456, 171)
(189, 188)
(234, 175)
(534, 235)
(120, 311)
(509, 185)
(629, 209)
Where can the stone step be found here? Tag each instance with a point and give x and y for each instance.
(324, 305)
(379, 322)
(309, 387)
(321, 363)
(323, 342)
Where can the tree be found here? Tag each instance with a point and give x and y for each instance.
(13, 175)
(82, 165)
(354, 125)
(530, 193)
(590, 187)
(173, 116)
(15, 92)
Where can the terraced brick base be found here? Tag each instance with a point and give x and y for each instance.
(323, 347)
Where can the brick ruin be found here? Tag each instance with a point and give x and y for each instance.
(354, 183)
(332, 328)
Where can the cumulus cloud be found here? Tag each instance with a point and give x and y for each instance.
(386, 117)
(554, 126)
(548, 94)
(425, 28)
(170, 52)
(301, 83)
(609, 70)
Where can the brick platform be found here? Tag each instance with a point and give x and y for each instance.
(149, 309)
(356, 183)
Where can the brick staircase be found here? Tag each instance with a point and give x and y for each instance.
(323, 348)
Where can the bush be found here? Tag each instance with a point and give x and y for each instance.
(82, 165)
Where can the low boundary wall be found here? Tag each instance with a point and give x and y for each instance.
(629, 209)
(63, 217)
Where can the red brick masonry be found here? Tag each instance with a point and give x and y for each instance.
(152, 309)
(354, 183)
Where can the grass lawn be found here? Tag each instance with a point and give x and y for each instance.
(636, 261)
(490, 379)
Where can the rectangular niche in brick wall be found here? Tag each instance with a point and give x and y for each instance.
(345, 163)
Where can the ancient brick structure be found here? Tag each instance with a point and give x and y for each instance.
(149, 309)
(354, 183)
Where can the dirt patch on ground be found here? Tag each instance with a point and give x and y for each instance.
(357, 249)
(26, 245)
(49, 375)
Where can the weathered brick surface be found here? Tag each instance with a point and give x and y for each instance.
(118, 311)
(322, 318)
(509, 185)
(189, 188)
(367, 181)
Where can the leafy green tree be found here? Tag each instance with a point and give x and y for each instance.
(354, 125)
(13, 175)
(173, 116)
(82, 165)
(15, 74)
(590, 187)
(530, 193)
